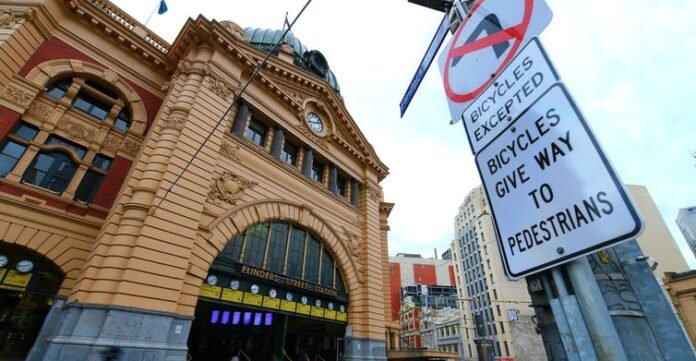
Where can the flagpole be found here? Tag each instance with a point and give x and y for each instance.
(153, 12)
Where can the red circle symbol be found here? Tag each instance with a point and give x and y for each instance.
(516, 32)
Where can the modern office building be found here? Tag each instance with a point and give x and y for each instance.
(273, 239)
(496, 311)
(409, 273)
(686, 220)
(441, 330)
(418, 284)
(656, 241)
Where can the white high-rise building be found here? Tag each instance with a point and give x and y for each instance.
(496, 312)
(686, 220)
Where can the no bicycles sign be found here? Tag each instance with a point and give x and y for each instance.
(485, 43)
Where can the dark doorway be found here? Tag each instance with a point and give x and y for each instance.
(28, 283)
(220, 331)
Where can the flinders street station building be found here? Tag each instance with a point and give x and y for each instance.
(270, 244)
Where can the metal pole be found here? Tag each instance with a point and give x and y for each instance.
(599, 324)
(559, 315)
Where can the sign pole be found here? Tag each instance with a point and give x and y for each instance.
(599, 324)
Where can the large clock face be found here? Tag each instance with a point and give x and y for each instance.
(315, 123)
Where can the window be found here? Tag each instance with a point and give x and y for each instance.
(80, 150)
(256, 244)
(91, 105)
(311, 271)
(13, 150)
(123, 120)
(89, 186)
(9, 156)
(317, 171)
(341, 185)
(233, 249)
(51, 170)
(94, 99)
(327, 269)
(296, 253)
(257, 132)
(57, 89)
(289, 154)
(276, 247)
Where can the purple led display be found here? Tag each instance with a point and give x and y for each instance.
(226, 317)
(214, 317)
(235, 317)
(257, 318)
(269, 319)
(247, 318)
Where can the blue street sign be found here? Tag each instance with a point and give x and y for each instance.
(425, 64)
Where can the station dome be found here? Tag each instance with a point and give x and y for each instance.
(312, 61)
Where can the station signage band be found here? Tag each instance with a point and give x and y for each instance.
(553, 195)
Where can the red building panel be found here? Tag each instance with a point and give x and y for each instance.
(453, 281)
(424, 274)
(395, 289)
(54, 48)
(8, 119)
(112, 182)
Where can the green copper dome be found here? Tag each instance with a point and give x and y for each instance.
(310, 60)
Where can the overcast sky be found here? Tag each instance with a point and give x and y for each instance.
(628, 65)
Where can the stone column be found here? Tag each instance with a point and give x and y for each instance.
(240, 119)
(333, 179)
(277, 145)
(355, 192)
(307, 162)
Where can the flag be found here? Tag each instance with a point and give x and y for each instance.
(287, 23)
(162, 7)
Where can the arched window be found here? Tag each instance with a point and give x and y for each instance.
(50, 170)
(284, 249)
(94, 99)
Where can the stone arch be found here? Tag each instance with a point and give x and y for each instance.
(221, 230)
(43, 73)
(67, 252)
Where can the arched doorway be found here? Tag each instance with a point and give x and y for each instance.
(273, 291)
(28, 285)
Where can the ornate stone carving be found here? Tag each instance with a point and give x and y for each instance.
(130, 147)
(77, 131)
(219, 87)
(174, 121)
(235, 30)
(310, 134)
(374, 194)
(230, 151)
(229, 187)
(18, 96)
(40, 111)
(354, 244)
(360, 221)
(9, 18)
(111, 143)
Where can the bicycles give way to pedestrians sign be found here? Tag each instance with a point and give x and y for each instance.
(485, 43)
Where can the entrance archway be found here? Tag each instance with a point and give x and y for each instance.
(28, 285)
(274, 290)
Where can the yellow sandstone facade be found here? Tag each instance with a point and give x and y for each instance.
(116, 113)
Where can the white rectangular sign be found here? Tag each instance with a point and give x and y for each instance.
(553, 194)
(528, 75)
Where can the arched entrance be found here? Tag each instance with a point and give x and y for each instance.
(273, 291)
(28, 284)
